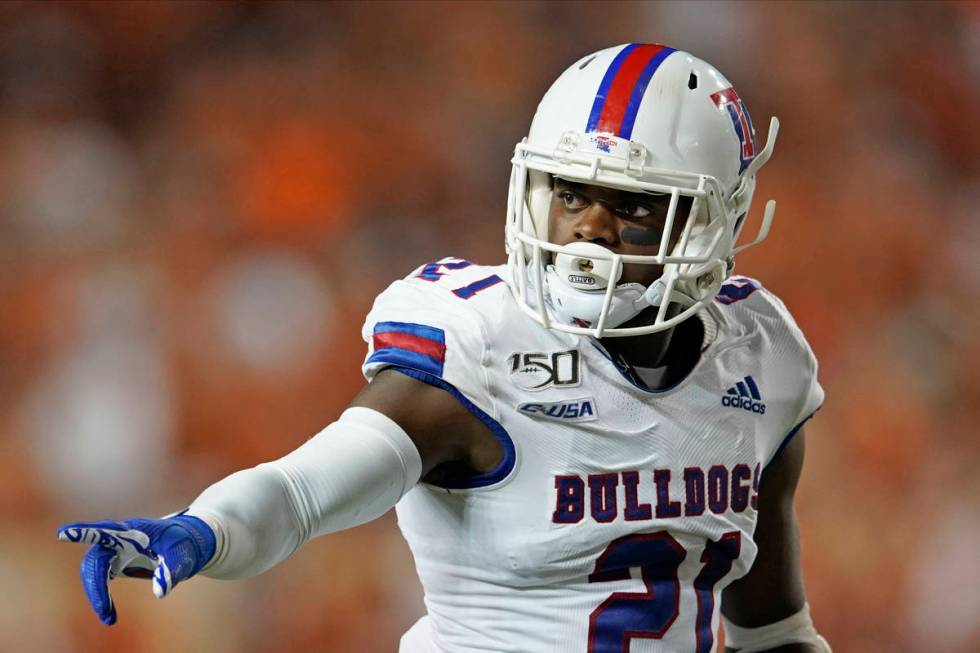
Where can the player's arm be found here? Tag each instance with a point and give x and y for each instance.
(766, 610)
(396, 431)
(442, 429)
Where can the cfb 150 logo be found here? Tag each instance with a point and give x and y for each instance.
(540, 370)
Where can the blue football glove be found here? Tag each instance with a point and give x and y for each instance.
(169, 550)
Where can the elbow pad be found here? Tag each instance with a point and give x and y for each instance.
(795, 629)
(353, 471)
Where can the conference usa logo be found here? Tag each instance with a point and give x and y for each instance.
(539, 370)
(571, 410)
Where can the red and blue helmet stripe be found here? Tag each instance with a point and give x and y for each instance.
(621, 90)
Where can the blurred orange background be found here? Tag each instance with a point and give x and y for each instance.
(199, 202)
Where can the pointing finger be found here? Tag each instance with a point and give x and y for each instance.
(110, 534)
(88, 532)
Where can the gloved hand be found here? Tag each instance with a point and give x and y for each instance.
(169, 550)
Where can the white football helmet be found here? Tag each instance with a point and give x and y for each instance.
(640, 118)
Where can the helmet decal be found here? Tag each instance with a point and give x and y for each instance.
(622, 88)
(729, 100)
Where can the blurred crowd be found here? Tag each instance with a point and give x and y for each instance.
(199, 202)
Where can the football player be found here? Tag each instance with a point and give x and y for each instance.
(594, 447)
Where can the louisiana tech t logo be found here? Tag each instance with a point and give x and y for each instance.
(745, 394)
(729, 101)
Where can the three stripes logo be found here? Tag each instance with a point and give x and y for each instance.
(745, 395)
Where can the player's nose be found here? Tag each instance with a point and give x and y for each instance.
(597, 224)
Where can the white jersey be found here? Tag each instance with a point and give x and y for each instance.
(618, 514)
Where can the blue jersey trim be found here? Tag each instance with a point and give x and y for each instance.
(506, 465)
(737, 289)
(789, 437)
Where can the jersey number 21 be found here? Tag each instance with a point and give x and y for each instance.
(624, 616)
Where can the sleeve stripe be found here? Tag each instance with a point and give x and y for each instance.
(417, 346)
(408, 359)
(434, 350)
(420, 330)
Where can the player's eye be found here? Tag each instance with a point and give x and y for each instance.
(572, 200)
(635, 211)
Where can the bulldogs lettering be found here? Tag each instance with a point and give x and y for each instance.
(717, 490)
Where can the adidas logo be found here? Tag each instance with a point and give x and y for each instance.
(744, 394)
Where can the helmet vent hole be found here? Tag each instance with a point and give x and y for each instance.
(587, 62)
(692, 81)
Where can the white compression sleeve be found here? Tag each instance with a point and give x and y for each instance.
(353, 471)
(794, 629)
